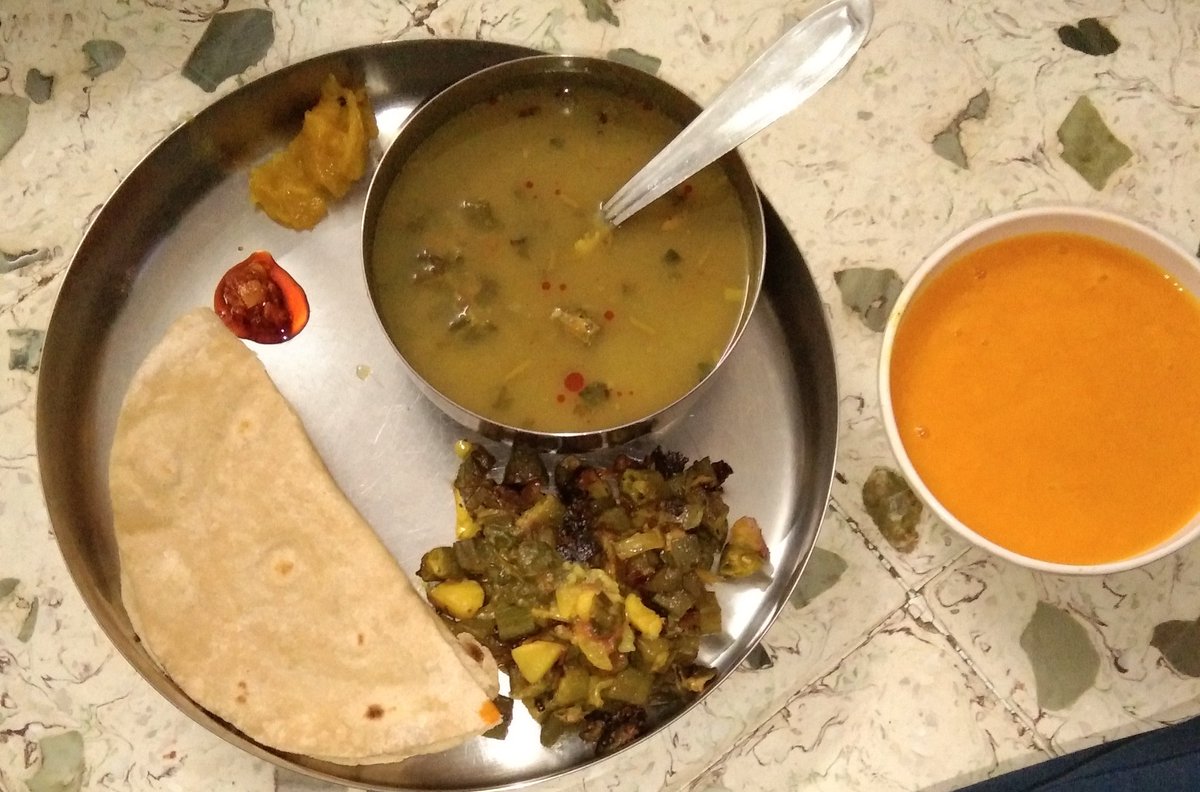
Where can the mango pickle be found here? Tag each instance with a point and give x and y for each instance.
(591, 586)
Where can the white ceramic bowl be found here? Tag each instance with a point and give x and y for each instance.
(1106, 226)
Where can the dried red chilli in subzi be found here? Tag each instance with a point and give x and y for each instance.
(259, 301)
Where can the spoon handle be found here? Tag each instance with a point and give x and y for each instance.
(795, 67)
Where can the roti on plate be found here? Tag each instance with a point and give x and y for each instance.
(256, 585)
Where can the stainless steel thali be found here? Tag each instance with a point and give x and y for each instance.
(183, 217)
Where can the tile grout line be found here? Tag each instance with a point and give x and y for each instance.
(867, 636)
(1040, 742)
(911, 594)
(870, 633)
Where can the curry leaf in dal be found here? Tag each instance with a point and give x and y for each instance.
(594, 393)
(479, 214)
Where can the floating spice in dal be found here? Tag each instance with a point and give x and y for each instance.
(593, 597)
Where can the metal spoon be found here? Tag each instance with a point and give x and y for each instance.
(794, 68)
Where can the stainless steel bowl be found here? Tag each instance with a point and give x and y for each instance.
(557, 72)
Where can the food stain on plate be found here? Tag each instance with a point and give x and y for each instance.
(1047, 390)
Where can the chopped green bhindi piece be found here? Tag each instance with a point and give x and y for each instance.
(710, 613)
(514, 621)
(631, 686)
(440, 563)
(614, 520)
(653, 653)
(676, 603)
(479, 214)
(685, 551)
(470, 556)
(666, 579)
(641, 486)
(686, 647)
(494, 520)
(572, 688)
(552, 729)
(524, 466)
(639, 543)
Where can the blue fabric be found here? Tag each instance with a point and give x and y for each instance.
(1163, 759)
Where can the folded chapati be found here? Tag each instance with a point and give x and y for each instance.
(257, 586)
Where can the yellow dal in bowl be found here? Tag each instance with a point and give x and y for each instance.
(497, 284)
(1047, 390)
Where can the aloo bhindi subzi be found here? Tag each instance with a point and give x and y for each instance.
(592, 587)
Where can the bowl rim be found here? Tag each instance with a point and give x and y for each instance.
(950, 250)
(541, 69)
